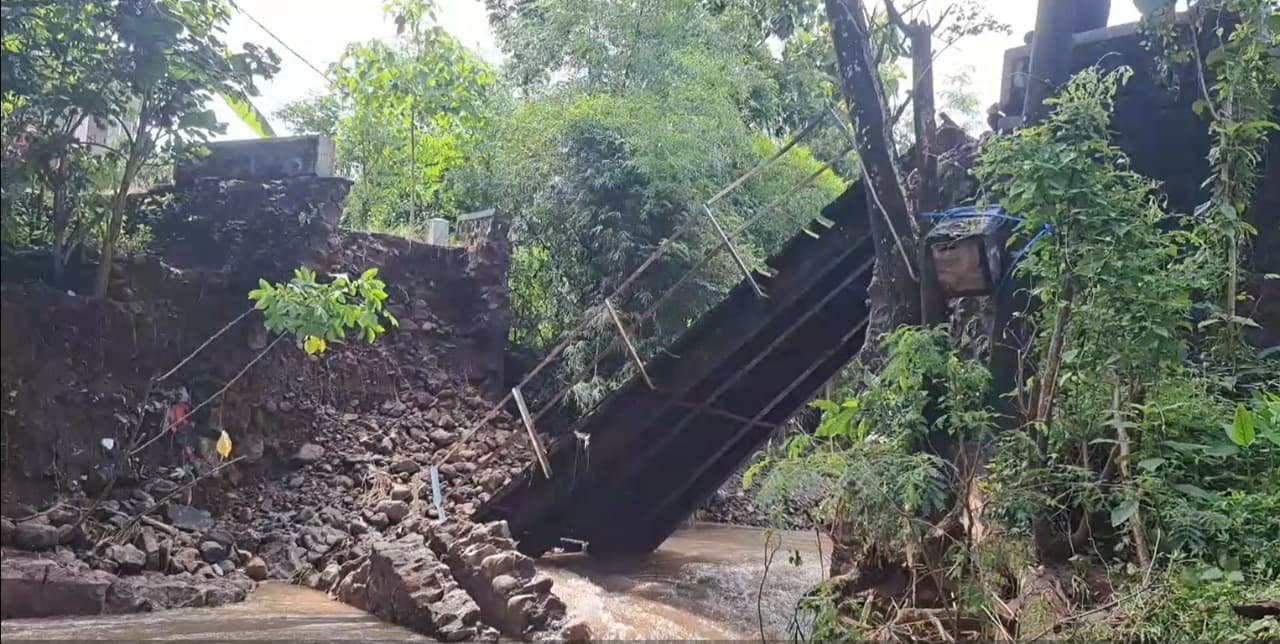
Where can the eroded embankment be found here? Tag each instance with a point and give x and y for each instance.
(328, 481)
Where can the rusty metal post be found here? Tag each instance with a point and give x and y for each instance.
(622, 331)
(737, 259)
(538, 449)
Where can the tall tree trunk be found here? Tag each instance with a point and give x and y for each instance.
(894, 292)
(118, 204)
(926, 126)
(1050, 64)
(924, 123)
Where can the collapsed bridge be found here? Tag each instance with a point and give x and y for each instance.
(652, 451)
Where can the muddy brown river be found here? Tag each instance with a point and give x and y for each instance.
(703, 583)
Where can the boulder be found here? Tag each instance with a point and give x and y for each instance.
(152, 592)
(62, 514)
(166, 554)
(520, 612)
(184, 560)
(457, 616)
(307, 454)
(401, 493)
(185, 517)
(221, 536)
(129, 558)
(212, 551)
(507, 563)
(540, 585)
(576, 630)
(403, 582)
(149, 545)
(354, 587)
(503, 582)
(328, 577)
(38, 535)
(442, 438)
(34, 586)
(405, 466)
(505, 585)
(256, 568)
(394, 510)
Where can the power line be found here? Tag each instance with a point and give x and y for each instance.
(284, 44)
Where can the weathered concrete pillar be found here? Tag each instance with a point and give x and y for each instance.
(438, 232)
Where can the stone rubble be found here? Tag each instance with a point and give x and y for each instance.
(359, 521)
(57, 582)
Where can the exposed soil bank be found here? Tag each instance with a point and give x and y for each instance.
(329, 481)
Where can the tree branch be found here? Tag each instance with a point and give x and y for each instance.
(895, 17)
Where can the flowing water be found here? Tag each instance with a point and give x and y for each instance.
(703, 583)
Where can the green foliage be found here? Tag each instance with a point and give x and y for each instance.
(1143, 444)
(399, 112)
(892, 406)
(865, 457)
(1238, 79)
(1108, 257)
(317, 314)
(1241, 104)
(1193, 602)
(600, 174)
(608, 155)
(250, 115)
(1199, 479)
(147, 68)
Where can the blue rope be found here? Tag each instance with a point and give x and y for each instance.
(995, 212)
(1044, 230)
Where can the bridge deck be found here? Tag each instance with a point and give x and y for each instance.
(746, 365)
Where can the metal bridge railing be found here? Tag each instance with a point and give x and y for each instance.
(606, 312)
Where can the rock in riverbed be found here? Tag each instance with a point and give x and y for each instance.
(34, 585)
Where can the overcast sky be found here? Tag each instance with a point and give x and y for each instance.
(320, 29)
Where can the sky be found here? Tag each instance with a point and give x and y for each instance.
(320, 29)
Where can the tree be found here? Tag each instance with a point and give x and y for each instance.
(399, 112)
(1134, 462)
(58, 75)
(862, 51)
(895, 294)
(172, 62)
(604, 157)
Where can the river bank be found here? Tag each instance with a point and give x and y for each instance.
(701, 584)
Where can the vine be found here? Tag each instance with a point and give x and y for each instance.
(1238, 84)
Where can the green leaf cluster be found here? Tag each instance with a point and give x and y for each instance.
(317, 314)
(1193, 436)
